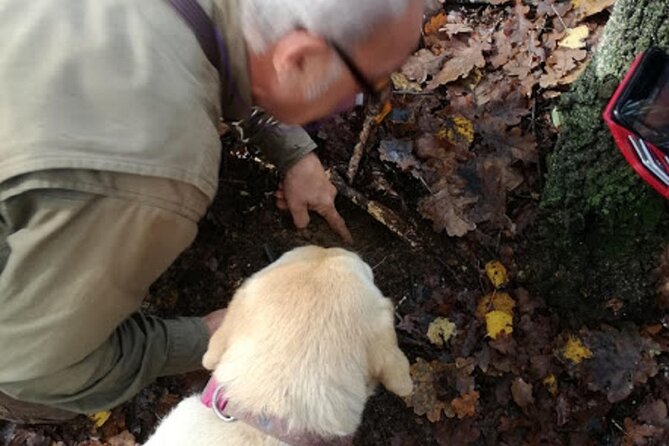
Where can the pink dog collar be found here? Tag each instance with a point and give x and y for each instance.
(213, 392)
(214, 398)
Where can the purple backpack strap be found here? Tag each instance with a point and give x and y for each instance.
(203, 28)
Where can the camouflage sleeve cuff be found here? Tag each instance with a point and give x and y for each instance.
(188, 340)
(283, 145)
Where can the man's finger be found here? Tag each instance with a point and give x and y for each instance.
(300, 216)
(281, 204)
(337, 224)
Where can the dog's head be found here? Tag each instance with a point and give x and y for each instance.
(314, 316)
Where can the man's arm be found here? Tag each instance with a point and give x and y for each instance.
(281, 145)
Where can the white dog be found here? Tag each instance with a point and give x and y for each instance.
(302, 346)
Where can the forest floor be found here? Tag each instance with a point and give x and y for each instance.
(458, 173)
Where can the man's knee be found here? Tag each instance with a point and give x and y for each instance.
(63, 388)
(140, 350)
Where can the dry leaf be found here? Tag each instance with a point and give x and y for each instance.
(575, 38)
(125, 438)
(637, 434)
(424, 399)
(551, 384)
(459, 131)
(465, 405)
(498, 301)
(621, 360)
(435, 23)
(496, 273)
(504, 50)
(655, 413)
(447, 212)
(440, 331)
(456, 28)
(522, 393)
(423, 64)
(498, 322)
(100, 418)
(399, 152)
(402, 83)
(575, 351)
(586, 8)
(560, 65)
(463, 58)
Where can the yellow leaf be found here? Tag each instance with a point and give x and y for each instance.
(586, 8)
(464, 128)
(498, 322)
(497, 301)
(440, 331)
(496, 273)
(575, 351)
(575, 37)
(100, 418)
(459, 131)
(551, 384)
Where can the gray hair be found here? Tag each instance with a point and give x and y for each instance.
(345, 21)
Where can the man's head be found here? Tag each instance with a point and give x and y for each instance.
(304, 54)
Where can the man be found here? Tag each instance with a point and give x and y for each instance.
(109, 156)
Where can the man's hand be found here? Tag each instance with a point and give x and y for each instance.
(214, 320)
(306, 187)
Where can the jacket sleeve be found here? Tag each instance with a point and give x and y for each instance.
(282, 145)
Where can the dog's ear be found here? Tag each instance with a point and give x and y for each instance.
(387, 362)
(218, 344)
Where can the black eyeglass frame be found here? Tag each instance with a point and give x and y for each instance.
(368, 87)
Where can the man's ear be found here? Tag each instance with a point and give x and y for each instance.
(388, 364)
(296, 52)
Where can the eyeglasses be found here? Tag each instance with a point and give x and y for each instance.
(379, 92)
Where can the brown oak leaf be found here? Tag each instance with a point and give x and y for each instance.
(465, 405)
(522, 393)
(424, 399)
(423, 64)
(463, 58)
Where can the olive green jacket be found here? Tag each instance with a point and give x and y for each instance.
(122, 86)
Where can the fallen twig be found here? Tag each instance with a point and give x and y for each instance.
(374, 118)
(359, 149)
(378, 212)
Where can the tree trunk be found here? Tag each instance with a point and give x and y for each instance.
(601, 229)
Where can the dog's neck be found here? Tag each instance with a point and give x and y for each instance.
(213, 397)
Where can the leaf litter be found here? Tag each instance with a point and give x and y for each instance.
(489, 68)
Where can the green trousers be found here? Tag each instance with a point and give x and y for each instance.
(75, 267)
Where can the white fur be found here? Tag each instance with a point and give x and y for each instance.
(306, 340)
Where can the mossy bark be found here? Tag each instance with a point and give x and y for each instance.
(601, 229)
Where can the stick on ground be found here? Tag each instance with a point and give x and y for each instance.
(378, 212)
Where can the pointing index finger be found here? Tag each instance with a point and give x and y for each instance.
(337, 224)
